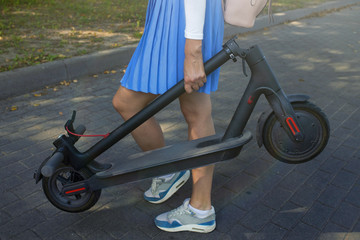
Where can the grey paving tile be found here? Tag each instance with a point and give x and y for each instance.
(302, 231)
(28, 234)
(228, 217)
(344, 179)
(20, 224)
(289, 215)
(354, 196)
(241, 233)
(346, 215)
(333, 232)
(318, 215)
(332, 196)
(257, 217)
(306, 195)
(293, 181)
(277, 197)
(239, 182)
(332, 165)
(249, 198)
(270, 232)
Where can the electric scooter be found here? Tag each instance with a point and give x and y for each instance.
(293, 131)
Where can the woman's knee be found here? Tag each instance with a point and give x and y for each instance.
(118, 103)
(196, 109)
(128, 102)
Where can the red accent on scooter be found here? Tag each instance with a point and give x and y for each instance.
(290, 121)
(75, 190)
(250, 100)
(79, 135)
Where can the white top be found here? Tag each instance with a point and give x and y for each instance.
(195, 18)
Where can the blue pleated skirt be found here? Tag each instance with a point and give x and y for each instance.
(158, 61)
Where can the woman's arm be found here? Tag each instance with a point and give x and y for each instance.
(194, 73)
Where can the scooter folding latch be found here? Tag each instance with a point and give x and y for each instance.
(232, 56)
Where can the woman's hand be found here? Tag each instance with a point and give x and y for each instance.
(194, 72)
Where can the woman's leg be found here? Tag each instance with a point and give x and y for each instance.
(127, 103)
(148, 136)
(196, 108)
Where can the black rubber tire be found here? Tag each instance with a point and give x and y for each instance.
(316, 130)
(52, 187)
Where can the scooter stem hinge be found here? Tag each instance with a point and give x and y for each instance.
(231, 54)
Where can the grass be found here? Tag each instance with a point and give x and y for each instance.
(38, 31)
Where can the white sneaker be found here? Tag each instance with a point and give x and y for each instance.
(183, 219)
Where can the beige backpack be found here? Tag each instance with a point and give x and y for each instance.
(243, 13)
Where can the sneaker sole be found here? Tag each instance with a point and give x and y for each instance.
(174, 188)
(190, 227)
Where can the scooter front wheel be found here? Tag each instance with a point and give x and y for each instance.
(53, 185)
(316, 130)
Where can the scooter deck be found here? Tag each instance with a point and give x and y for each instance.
(173, 158)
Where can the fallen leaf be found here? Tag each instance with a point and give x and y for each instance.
(13, 108)
(113, 71)
(95, 76)
(65, 83)
(75, 80)
(124, 71)
(61, 113)
(37, 94)
(36, 104)
(106, 72)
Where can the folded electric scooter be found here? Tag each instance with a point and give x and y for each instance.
(293, 130)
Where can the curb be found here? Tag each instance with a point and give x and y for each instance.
(25, 80)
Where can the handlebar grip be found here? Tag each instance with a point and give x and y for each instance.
(52, 164)
(80, 129)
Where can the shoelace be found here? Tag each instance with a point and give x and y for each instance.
(155, 184)
(179, 210)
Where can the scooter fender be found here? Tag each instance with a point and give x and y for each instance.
(37, 174)
(265, 115)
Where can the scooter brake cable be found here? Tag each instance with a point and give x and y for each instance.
(79, 135)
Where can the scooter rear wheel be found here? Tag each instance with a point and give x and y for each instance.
(77, 203)
(316, 130)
